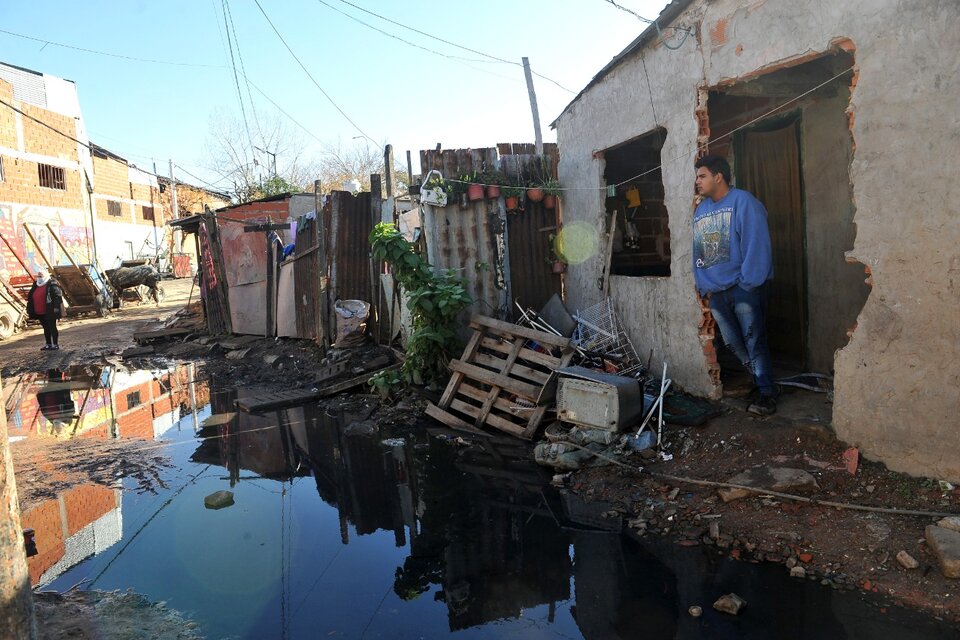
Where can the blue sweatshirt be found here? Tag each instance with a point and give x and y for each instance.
(731, 243)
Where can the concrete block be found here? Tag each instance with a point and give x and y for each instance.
(730, 603)
(945, 545)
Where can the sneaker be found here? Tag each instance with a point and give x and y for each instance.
(46, 347)
(55, 347)
(765, 406)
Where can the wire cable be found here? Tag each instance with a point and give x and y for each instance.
(310, 75)
(243, 72)
(112, 55)
(236, 78)
(453, 44)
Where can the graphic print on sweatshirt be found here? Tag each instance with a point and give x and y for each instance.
(711, 238)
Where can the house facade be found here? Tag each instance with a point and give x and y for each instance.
(840, 118)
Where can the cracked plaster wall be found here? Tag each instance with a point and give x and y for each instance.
(898, 380)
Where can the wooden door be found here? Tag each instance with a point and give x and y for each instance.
(768, 166)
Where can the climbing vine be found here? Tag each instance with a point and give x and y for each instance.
(435, 301)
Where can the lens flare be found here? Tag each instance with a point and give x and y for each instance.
(577, 242)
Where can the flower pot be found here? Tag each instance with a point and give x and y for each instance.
(549, 201)
(535, 194)
(559, 267)
(493, 191)
(511, 202)
(475, 192)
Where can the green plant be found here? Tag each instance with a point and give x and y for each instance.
(386, 383)
(551, 187)
(435, 301)
(493, 177)
(555, 254)
(513, 192)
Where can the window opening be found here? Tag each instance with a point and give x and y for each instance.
(52, 177)
(641, 240)
(133, 399)
(114, 209)
(147, 213)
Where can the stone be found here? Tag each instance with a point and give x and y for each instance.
(730, 603)
(781, 479)
(791, 562)
(714, 529)
(218, 500)
(673, 494)
(798, 572)
(238, 354)
(695, 611)
(648, 454)
(952, 523)
(907, 561)
(362, 428)
(271, 358)
(945, 545)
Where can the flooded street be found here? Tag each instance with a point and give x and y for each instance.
(339, 529)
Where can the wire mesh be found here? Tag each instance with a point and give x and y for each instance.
(600, 331)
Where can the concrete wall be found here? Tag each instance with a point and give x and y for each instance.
(897, 381)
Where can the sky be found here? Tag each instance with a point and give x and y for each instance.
(392, 92)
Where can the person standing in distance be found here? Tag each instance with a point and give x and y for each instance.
(732, 267)
(45, 303)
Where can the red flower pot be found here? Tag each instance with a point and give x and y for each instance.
(510, 202)
(535, 194)
(475, 192)
(493, 191)
(549, 201)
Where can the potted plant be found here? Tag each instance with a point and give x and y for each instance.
(511, 197)
(535, 193)
(494, 180)
(473, 187)
(556, 261)
(457, 191)
(551, 191)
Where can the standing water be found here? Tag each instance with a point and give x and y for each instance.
(338, 529)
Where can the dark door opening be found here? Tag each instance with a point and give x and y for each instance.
(769, 167)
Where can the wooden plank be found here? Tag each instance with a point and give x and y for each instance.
(531, 430)
(276, 400)
(516, 330)
(145, 336)
(451, 420)
(133, 352)
(505, 368)
(235, 342)
(353, 382)
(501, 403)
(516, 370)
(331, 371)
(498, 380)
(528, 355)
(491, 419)
(457, 376)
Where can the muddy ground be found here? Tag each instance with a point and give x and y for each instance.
(843, 548)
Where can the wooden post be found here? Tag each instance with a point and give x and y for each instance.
(376, 213)
(390, 180)
(267, 229)
(16, 598)
(321, 289)
(66, 293)
(323, 330)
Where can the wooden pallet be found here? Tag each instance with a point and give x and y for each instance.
(502, 380)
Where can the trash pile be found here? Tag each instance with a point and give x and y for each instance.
(573, 380)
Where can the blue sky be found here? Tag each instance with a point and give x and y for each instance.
(394, 92)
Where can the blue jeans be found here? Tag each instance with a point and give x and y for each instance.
(741, 316)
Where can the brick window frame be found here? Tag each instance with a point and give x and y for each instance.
(133, 400)
(114, 208)
(51, 177)
(148, 213)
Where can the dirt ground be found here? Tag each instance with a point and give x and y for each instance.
(843, 548)
(87, 339)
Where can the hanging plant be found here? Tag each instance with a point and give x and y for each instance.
(511, 198)
(551, 190)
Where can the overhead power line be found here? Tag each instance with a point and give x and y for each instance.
(452, 44)
(112, 55)
(310, 75)
(236, 76)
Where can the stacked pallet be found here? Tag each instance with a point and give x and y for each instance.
(504, 379)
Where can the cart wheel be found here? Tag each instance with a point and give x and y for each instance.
(103, 309)
(7, 325)
(159, 295)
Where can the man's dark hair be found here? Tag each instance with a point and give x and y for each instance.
(715, 164)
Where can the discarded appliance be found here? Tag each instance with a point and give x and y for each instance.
(600, 331)
(599, 400)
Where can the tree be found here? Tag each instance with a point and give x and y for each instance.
(339, 164)
(280, 165)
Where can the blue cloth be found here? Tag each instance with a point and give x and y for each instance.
(731, 243)
(741, 316)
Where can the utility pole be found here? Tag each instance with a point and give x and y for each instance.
(538, 137)
(16, 598)
(320, 242)
(268, 229)
(273, 157)
(175, 212)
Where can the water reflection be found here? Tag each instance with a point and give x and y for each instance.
(94, 403)
(340, 532)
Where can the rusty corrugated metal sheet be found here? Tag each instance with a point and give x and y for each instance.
(471, 242)
(532, 281)
(351, 221)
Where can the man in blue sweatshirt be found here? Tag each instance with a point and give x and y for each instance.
(732, 266)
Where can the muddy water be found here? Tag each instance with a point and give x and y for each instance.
(338, 532)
